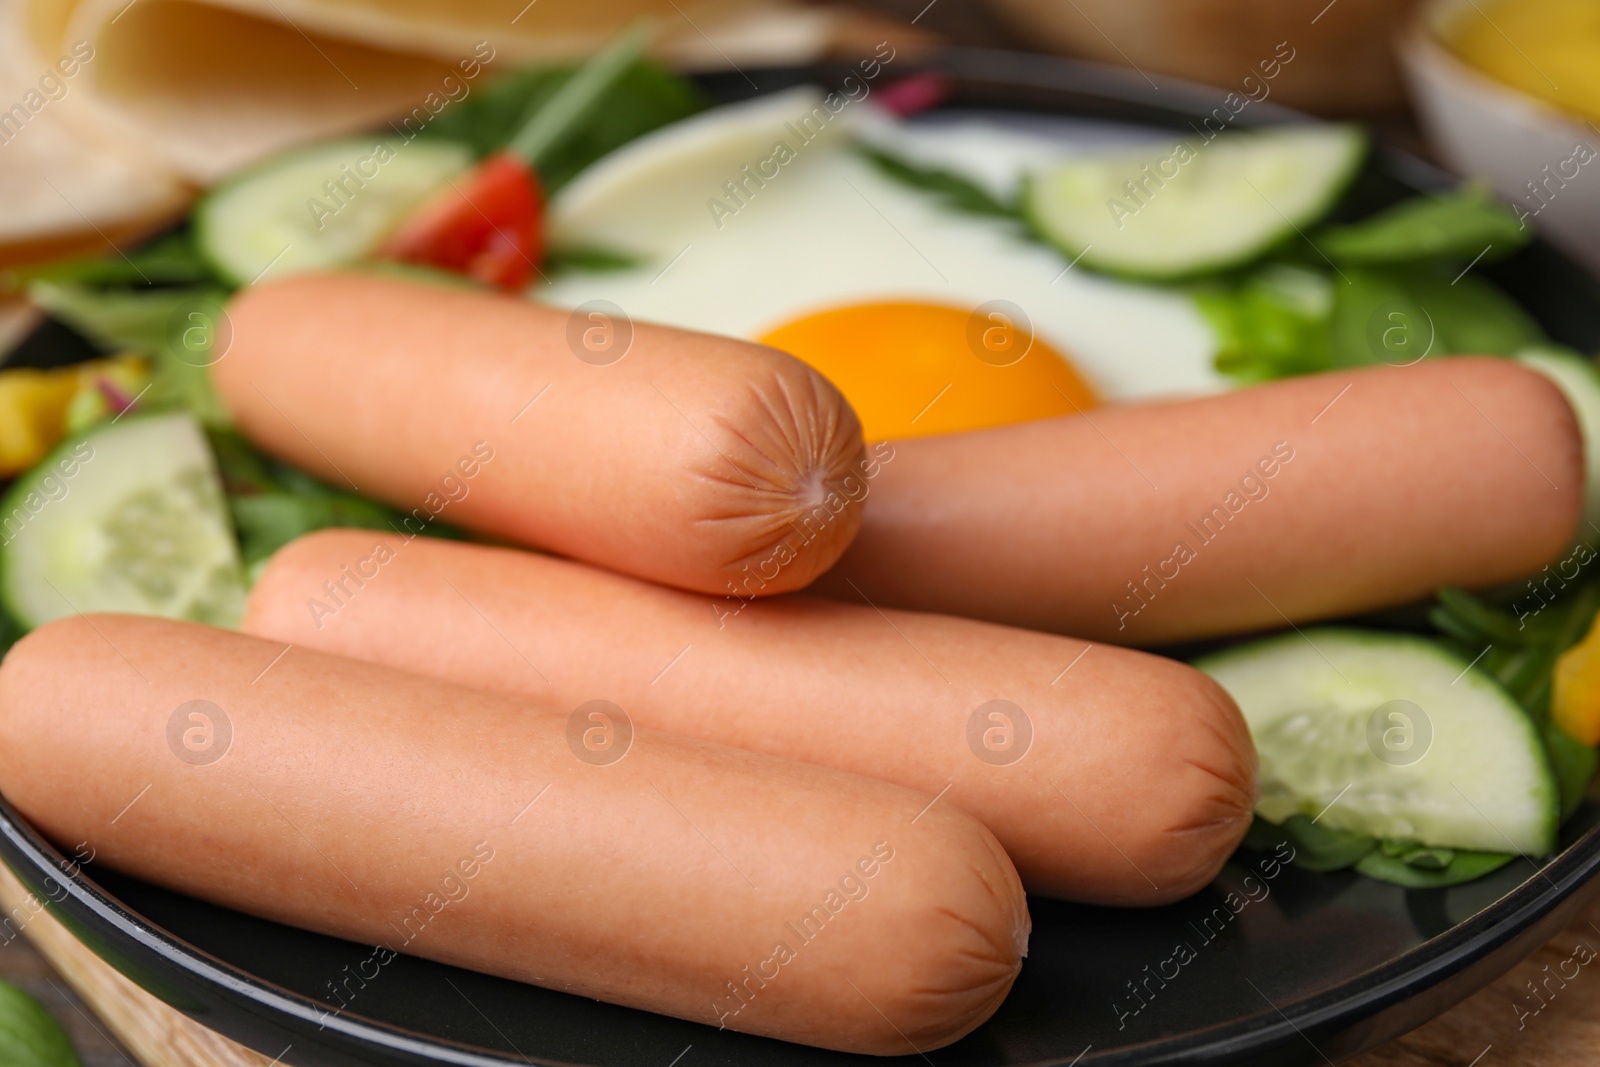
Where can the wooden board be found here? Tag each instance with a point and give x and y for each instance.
(1544, 1013)
(154, 1034)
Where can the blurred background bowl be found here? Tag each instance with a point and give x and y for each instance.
(1482, 128)
(1343, 64)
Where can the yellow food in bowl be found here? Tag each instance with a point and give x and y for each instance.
(1548, 49)
(911, 369)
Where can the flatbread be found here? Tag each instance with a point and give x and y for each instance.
(211, 89)
(211, 85)
(179, 93)
(60, 190)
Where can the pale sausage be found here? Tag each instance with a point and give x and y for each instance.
(705, 882)
(1109, 775)
(701, 462)
(1301, 500)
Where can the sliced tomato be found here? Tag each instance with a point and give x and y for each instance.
(488, 225)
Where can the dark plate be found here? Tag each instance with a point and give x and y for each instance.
(1270, 965)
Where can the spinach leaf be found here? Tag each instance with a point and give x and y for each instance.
(954, 191)
(176, 328)
(273, 503)
(1519, 646)
(646, 98)
(115, 321)
(1460, 866)
(29, 1035)
(1458, 225)
(588, 259)
(1322, 848)
(1415, 854)
(173, 259)
(1398, 315)
(265, 522)
(1316, 848)
(1574, 764)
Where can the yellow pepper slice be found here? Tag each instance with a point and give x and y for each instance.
(1575, 697)
(34, 404)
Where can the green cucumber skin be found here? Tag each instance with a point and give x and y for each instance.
(1579, 381)
(204, 218)
(1263, 648)
(29, 482)
(1027, 201)
(13, 501)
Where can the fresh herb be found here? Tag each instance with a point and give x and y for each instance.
(1518, 648)
(1465, 224)
(588, 259)
(176, 328)
(265, 522)
(1316, 848)
(1398, 315)
(954, 191)
(1415, 854)
(1364, 315)
(29, 1035)
(1271, 324)
(1406, 863)
(116, 320)
(644, 99)
(171, 260)
(273, 503)
(1573, 763)
(1440, 867)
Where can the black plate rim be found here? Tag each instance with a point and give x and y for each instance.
(1551, 893)
(42, 868)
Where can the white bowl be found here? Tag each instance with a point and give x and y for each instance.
(1481, 128)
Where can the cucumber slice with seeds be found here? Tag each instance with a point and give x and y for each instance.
(319, 207)
(1193, 206)
(1391, 735)
(129, 517)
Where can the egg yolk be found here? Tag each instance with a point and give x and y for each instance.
(914, 369)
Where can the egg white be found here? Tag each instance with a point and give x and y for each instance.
(829, 229)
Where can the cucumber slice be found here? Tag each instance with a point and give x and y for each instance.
(319, 207)
(129, 517)
(1579, 379)
(1391, 735)
(1194, 206)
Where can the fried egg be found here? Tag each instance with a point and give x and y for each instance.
(761, 220)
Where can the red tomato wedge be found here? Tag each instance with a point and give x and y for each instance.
(487, 225)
